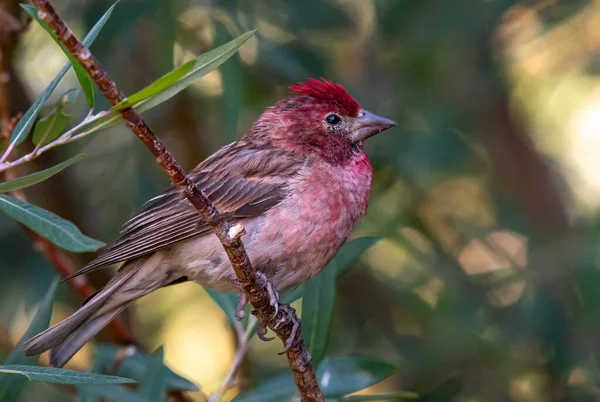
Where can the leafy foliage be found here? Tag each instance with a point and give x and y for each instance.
(11, 387)
(166, 86)
(318, 297)
(337, 377)
(37, 177)
(134, 365)
(84, 79)
(465, 315)
(62, 376)
(24, 125)
(56, 229)
(51, 127)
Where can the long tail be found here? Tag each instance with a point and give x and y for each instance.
(68, 336)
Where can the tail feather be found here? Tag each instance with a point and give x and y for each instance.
(68, 336)
(61, 353)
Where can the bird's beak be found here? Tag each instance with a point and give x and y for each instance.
(368, 124)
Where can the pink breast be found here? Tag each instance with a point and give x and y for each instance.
(312, 225)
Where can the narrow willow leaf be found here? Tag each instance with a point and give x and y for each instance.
(62, 376)
(82, 76)
(390, 396)
(339, 376)
(112, 393)
(38, 177)
(153, 387)
(227, 301)
(319, 297)
(178, 79)
(54, 228)
(11, 387)
(24, 125)
(52, 126)
(165, 87)
(277, 389)
(231, 79)
(292, 295)
(317, 312)
(350, 252)
(134, 366)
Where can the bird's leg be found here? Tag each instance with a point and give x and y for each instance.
(273, 294)
(261, 330)
(273, 301)
(289, 316)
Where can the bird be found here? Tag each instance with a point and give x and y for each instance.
(298, 182)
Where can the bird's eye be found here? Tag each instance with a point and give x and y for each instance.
(333, 119)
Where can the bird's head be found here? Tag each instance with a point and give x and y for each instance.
(321, 118)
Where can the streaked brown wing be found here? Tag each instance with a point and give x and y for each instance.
(241, 180)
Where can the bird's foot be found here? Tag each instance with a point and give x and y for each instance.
(261, 332)
(273, 294)
(289, 315)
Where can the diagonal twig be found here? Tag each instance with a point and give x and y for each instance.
(253, 286)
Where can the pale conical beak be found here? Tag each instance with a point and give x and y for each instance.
(368, 124)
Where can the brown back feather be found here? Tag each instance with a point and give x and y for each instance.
(241, 179)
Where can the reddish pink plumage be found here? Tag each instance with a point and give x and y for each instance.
(297, 182)
(328, 91)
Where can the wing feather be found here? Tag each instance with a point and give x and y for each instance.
(242, 181)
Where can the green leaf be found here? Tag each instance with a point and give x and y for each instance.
(82, 76)
(343, 260)
(52, 126)
(153, 387)
(292, 295)
(111, 393)
(175, 81)
(390, 396)
(134, 366)
(317, 312)
(350, 252)
(10, 387)
(278, 389)
(38, 177)
(62, 376)
(166, 86)
(54, 228)
(339, 376)
(24, 125)
(231, 79)
(227, 301)
(319, 297)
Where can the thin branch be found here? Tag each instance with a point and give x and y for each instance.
(65, 138)
(279, 320)
(65, 267)
(237, 361)
(62, 264)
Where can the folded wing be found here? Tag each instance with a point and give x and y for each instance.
(241, 180)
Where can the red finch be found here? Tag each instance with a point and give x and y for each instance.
(298, 182)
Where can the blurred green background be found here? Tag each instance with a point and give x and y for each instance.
(486, 283)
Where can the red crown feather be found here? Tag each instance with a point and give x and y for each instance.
(328, 91)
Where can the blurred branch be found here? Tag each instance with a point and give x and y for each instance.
(80, 285)
(281, 320)
(65, 138)
(237, 362)
(61, 263)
